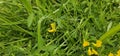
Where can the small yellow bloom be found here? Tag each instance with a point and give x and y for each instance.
(53, 27)
(98, 43)
(85, 43)
(92, 51)
(118, 53)
(89, 51)
(110, 54)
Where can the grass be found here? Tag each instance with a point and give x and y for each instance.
(24, 26)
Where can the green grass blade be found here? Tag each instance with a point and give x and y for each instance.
(111, 32)
(27, 5)
(16, 26)
(40, 39)
(30, 19)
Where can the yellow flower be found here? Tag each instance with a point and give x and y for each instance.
(92, 51)
(85, 43)
(110, 54)
(89, 51)
(118, 53)
(53, 27)
(98, 43)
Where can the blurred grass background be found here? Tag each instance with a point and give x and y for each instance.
(24, 26)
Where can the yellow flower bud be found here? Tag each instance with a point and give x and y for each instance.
(118, 53)
(85, 43)
(110, 54)
(53, 28)
(98, 43)
(92, 52)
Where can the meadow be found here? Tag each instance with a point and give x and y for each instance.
(59, 27)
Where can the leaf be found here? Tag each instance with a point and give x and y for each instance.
(111, 32)
(30, 19)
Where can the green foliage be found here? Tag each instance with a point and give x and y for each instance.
(24, 26)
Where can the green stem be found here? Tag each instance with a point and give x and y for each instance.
(111, 32)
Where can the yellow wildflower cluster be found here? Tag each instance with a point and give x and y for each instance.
(92, 51)
(97, 44)
(53, 27)
(111, 54)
